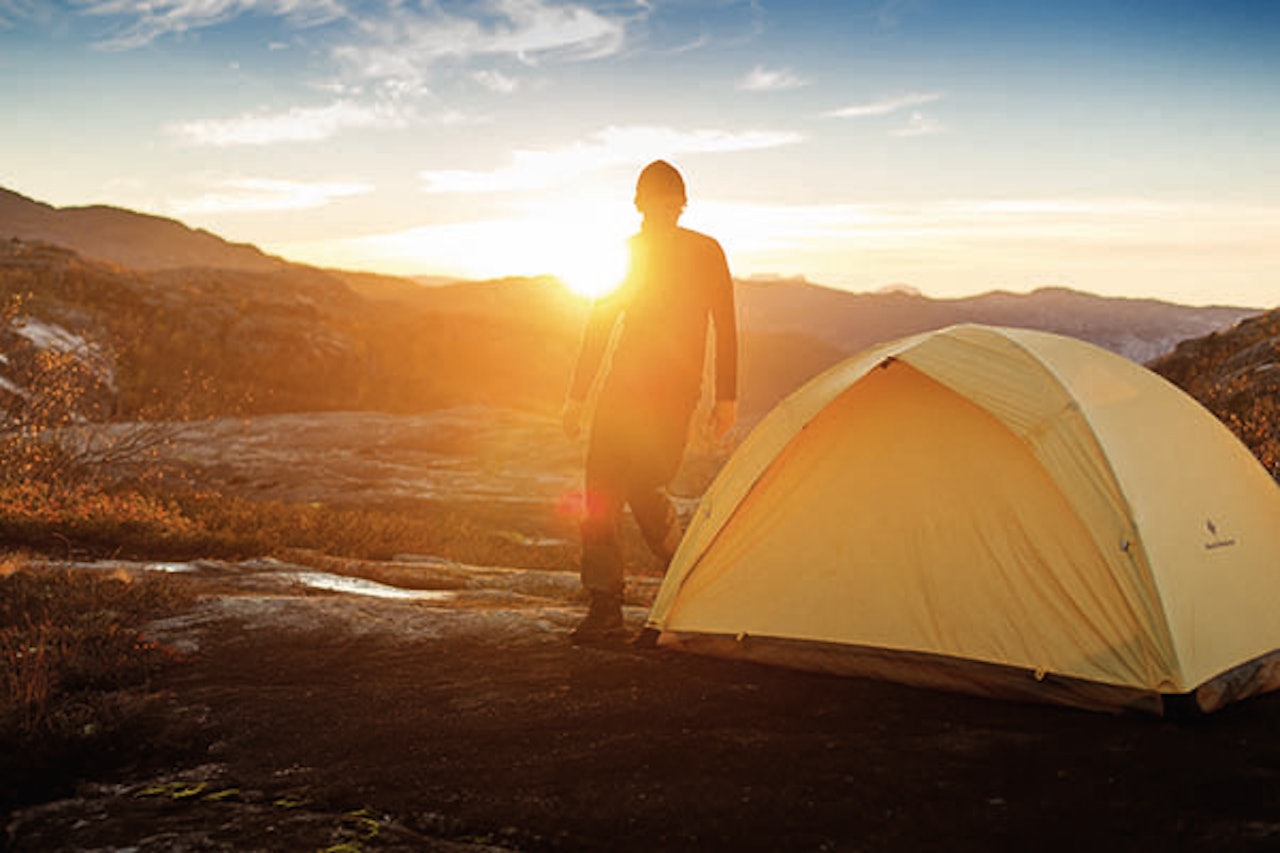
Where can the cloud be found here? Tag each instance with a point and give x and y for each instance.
(696, 43)
(299, 124)
(14, 11)
(251, 195)
(761, 79)
(398, 41)
(154, 19)
(884, 106)
(496, 81)
(408, 43)
(1117, 223)
(612, 146)
(919, 125)
(534, 27)
(948, 248)
(890, 14)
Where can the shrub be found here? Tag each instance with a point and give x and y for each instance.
(74, 667)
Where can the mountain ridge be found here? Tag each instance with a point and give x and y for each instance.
(141, 241)
(110, 233)
(291, 337)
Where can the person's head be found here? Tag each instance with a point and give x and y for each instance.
(660, 194)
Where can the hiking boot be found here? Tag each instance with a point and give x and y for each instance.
(646, 639)
(603, 621)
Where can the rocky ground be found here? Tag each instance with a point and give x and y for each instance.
(419, 704)
(1235, 373)
(441, 707)
(461, 455)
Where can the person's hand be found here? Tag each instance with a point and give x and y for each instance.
(571, 418)
(723, 417)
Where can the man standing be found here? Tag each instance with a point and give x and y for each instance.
(677, 281)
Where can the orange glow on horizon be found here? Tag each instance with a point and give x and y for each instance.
(581, 242)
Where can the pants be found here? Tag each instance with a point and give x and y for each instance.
(631, 457)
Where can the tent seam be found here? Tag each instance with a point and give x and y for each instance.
(1135, 539)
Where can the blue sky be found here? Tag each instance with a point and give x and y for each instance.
(1121, 148)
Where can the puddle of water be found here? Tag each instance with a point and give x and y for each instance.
(360, 586)
(531, 541)
(171, 568)
(125, 566)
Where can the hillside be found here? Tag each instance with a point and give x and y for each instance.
(1235, 373)
(135, 240)
(1139, 329)
(818, 326)
(182, 319)
(211, 341)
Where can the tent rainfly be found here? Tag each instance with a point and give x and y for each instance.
(992, 510)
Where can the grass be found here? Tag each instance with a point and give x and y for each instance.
(75, 665)
(143, 523)
(74, 671)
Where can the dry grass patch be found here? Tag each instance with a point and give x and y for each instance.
(74, 671)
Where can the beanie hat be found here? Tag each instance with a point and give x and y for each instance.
(659, 181)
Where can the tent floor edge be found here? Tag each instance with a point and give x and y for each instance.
(1251, 678)
(921, 669)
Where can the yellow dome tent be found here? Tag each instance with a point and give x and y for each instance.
(994, 510)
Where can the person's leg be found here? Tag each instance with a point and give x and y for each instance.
(663, 446)
(601, 566)
(632, 454)
(656, 516)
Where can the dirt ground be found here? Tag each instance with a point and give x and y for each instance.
(315, 718)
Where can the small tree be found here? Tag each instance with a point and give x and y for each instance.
(56, 400)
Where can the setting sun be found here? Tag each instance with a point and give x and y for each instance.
(593, 270)
(582, 241)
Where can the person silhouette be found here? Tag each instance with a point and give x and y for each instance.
(677, 280)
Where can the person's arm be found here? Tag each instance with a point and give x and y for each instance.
(601, 320)
(724, 320)
(595, 339)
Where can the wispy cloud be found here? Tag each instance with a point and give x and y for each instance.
(254, 195)
(884, 106)
(761, 79)
(612, 146)
(299, 124)
(393, 43)
(698, 42)
(919, 124)
(890, 14)
(963, 246)
(946, 248)
(496, 81)
(13, 12)
(406, 44)
(144, 21)
(1116, 224)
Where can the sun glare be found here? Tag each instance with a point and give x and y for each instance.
(582, 242)
(593, 270)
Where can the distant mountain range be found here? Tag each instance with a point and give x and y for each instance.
(817, 326)
(170, 303)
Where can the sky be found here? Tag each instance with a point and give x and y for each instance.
(1120, 147)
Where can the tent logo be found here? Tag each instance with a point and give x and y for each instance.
(1217, 540)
